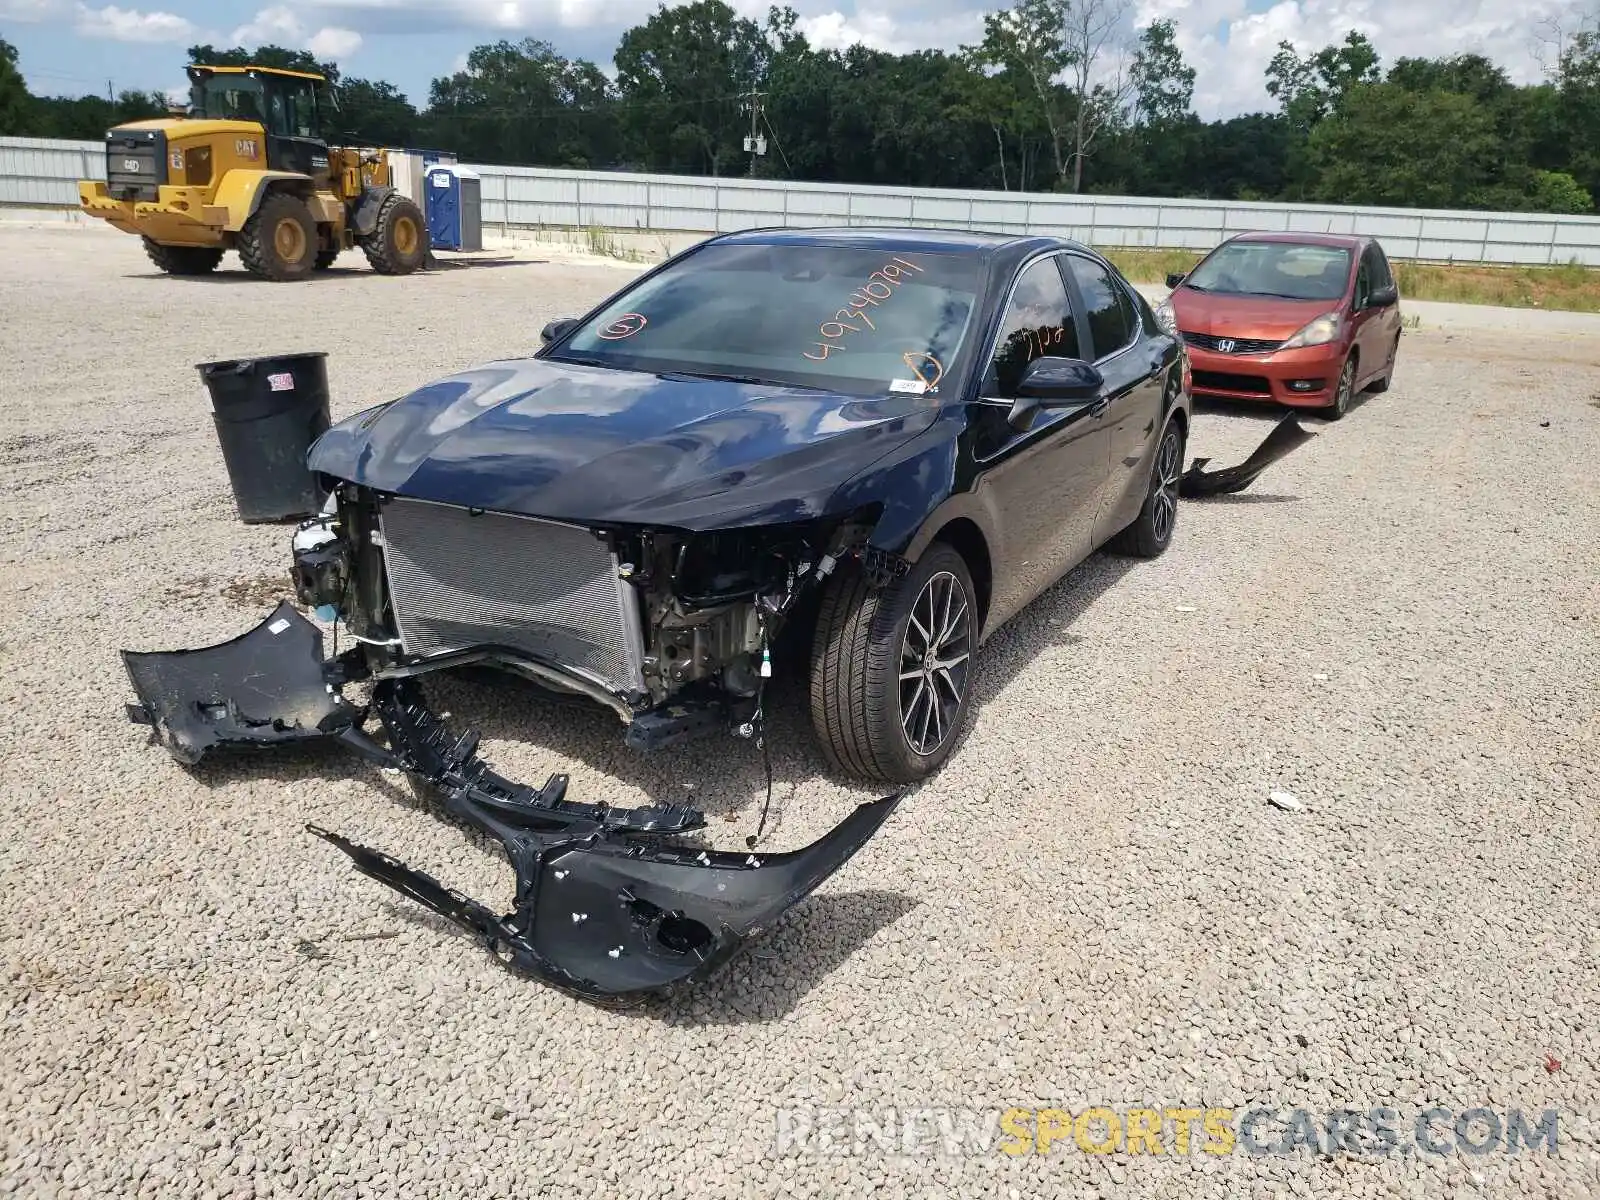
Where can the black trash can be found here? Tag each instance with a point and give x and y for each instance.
(267, 412)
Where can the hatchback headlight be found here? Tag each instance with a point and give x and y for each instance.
(1320, 332)
(1166, 318)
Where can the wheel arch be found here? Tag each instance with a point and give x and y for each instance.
(242, 191)
(964, 537)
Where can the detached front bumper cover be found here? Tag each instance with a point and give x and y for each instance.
(1287, 435)
(611, 903)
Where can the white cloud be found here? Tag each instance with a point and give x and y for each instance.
(1230, 46)
(31, 10)
(333, 42)
(131, 25)
(282, 26)
(835, 31)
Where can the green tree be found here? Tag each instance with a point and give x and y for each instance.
(16, 106)
(1163, 84)
(523, 104)
(1388, 145)
(374, 112)
(681, 76)
(1310, 88)
(1578, 83)
(1026, 44)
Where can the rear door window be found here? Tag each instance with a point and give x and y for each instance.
(1113, 319)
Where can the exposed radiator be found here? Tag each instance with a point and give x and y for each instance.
(459, 581)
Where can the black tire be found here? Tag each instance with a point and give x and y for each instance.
(326, 259)
(1381, 383)
(279, 242)
(398, 244)
(1150, 533)
(1344, 391)
(183, 260)
(859, 702)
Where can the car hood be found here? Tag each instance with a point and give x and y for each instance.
(595, 445)
(1266, 317)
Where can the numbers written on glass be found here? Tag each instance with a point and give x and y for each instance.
(1038, 341)
(853, 317)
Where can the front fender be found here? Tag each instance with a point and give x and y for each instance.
(240, 192)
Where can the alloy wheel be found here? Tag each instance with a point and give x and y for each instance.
(1347, 381)
(935, 655)
(1169, 464)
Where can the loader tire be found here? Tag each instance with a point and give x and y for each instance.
(183, 260)
(398, 244)
(279, 243)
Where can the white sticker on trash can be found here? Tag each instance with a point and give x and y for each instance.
(278, 626)
(281, 383)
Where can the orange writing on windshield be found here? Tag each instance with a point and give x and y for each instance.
(853, 318)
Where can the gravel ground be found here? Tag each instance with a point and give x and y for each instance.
(1093, 904)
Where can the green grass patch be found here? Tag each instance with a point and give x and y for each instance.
(1570, 288)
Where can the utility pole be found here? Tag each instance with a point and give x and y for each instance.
(755, 144)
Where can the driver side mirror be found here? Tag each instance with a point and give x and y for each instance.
(1383, 297)
(1174, 278)
(1054, 382)
(557, 329)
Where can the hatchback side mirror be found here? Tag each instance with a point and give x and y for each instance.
(1054, 382)
(1383, 297)
(1175, 278)
(557, 329)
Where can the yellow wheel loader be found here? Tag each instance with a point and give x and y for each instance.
(248, 170)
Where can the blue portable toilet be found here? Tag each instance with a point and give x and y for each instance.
(455, 207)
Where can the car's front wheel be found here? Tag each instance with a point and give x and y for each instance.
(891, 668)
(1150, 533)
(1343, 392)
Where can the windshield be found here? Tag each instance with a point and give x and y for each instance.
(227, 97)
(844, 319)
(1296, 271)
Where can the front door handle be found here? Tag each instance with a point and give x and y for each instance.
(1100, 407)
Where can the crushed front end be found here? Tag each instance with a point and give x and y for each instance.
(672, 630)
(612, 904)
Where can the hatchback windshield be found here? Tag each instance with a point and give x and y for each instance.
(1294, 271)
(845, 319)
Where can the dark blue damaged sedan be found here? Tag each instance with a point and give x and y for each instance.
(850, 453)
(878, 445)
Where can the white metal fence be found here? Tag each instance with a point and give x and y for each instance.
(42, 174)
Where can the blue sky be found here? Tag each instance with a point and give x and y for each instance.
(77, 46)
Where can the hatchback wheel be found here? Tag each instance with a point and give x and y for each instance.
(1344, 391)
(891, 668)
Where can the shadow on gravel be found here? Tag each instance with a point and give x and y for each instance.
(1043, 625)
(1244, 498)
(239, 275)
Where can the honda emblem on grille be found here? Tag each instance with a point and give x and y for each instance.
(1226, 345)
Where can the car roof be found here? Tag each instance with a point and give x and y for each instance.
(1346, 240)
(902, 237)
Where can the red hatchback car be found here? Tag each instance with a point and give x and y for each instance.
(1301, 319)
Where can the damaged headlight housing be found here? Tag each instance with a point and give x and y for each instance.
(1320, 332)
(1166, 318)
(321, 566)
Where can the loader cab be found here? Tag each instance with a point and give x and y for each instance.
(288, 105)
